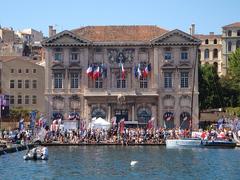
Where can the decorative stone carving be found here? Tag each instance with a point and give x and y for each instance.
(121, 99)
(129, 54)
(112, 54)
(74, 102)
(120, 55)
(58, 103)
(185, 101)
(168, 101)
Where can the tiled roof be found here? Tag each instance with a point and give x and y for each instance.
(21, 58)
(119, 33)
(207, 36)
(236, 24)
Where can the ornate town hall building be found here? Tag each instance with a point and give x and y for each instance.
(131, 72)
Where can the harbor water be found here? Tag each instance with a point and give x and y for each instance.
(114, 162)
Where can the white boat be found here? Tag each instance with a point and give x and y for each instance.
(38, 153)
(186, 142)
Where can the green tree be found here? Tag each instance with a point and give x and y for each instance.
(18, 112)
(209, 87)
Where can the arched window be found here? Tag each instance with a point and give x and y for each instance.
(206, 41)
(98, 112)
(168, 120)
(229, 46)
(238, 44)
(185, 120)
(206, 53)
(215, 41)
(215, 53)
(144, 114)
(229, 33)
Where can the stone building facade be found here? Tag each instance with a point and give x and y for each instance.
(168, 93)
(210, 51)
(231, 41)
(23, 80)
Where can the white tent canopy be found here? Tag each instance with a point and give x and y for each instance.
(99, 123)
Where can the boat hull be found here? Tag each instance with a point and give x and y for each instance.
(173, 143)
(219, 143)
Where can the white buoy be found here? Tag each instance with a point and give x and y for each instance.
(132, 163)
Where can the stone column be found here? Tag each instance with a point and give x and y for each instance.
(154, 114)
(66, 107)
(177, 111)
(133, 112)
(109, 113)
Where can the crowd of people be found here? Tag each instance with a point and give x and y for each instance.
(118, 134)
(113, 135)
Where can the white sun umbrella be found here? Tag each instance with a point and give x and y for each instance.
(101, 123)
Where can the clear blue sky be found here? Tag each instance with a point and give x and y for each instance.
(208, 15)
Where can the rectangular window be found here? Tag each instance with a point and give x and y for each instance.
(19, 83)
(168, 56)
(167, 79)
(143, 82)
(19, 99)
(12, 70)
(26, 99)
(74, 56)
(121, 83)
(11, 84)
(58, 56)
(11, 99)
(34, 99)
(27, 71)
(74, 80)
(34, 84)
(34, 71)
(99, 83)
(184, 55)
(19, 71)
(238, 32)
(184, 79)
(27, 84)
(58, 80)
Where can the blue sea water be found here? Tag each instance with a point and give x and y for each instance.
(113, 162)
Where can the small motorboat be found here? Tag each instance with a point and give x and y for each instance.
(38, 153)
(219, 143)
(185, 142)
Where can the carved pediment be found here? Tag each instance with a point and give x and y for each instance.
(58, 66)
(185, 65)
(168, 66)
(65, 38)
(176, 37)
(74, 65)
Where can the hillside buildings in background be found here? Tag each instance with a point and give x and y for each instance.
(23, 80)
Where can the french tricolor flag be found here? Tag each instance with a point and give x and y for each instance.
(89, 71)
(96, 73)
(139, 72)
(123, 71)
(145, 72)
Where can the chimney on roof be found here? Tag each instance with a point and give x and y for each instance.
(193, 29)
(211, 33)
(54, 31)
(190, 30)
(50, 31)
